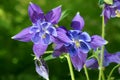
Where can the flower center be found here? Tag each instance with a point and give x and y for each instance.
(117, 13)
(44, 36)
(77, 43)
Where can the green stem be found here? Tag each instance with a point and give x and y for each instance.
(102, 51)
(47, 52)
(112, 71)
(86, 72)
(70, 66)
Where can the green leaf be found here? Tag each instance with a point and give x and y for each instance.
(64, 14)
(101, 2)
(49, 57)
(108, 1)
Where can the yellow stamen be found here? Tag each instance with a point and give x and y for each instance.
(77, 43)
(44, 36)
(117, 13)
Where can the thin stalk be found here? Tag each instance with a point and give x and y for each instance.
(48, 52)
(86, 72)
(102, 50)
(70, 66)
(112, 71)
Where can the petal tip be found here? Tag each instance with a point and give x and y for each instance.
(30, 3)
(13, 37)
(78, 13)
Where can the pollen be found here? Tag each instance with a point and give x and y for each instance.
(77, 43)
(44, 36)
(117, 13)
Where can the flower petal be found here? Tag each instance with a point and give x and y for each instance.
(41, 69)
(78, 60)
(47, 39)
(57, 43)
(77, 22)
(91, 63)
(62, 35)
(85, 37)
(35, 12)
(107, 14)
(53, 16)
(39, 49)
(52, 31)
(114, 58)
(24, 35)
(84, 47)
(36, 38)
(58, 52)
(97, 41)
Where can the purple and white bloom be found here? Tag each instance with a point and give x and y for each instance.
(111, 10)
(76, 43)
(108, 58)
(42, 29)
(41, 68)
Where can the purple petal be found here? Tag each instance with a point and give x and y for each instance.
(41, 69)
(23, 36)
(57, 43)
(35, 12)
(77, 22)
(85, 36)
(47, 39)
(52, 31)
(58, 52)
(114, 58)
(72, 50)
(62, 35)
(36, 38)
(39, 49)
(97, 41)
(78, 60)
(106, 13)
(91, 63)
(53, 16)
(84, 47)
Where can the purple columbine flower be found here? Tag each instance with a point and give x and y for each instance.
(111, 10)
(42, 29)
(76, 43)
(108, 58)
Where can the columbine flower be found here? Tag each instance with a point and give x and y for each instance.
(111, 10)
(108, 58)
(42, 29)
(76, 43)
(41, 68)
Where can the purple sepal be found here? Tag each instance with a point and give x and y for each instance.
(97, 41)
(91, 63)
(24, 35)
(78, 60)
(62, 35)
(114, 58)
(39, 49)
(77, 22)
(58, 52)
(53, 16)
(35, 12)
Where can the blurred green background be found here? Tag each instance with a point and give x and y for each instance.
(16, 62)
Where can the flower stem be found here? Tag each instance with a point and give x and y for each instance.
(48, 52)
(70, 66)
(86, 72)
(112, 71)
(102, 50)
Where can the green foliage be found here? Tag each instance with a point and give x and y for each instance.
(109, 1)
